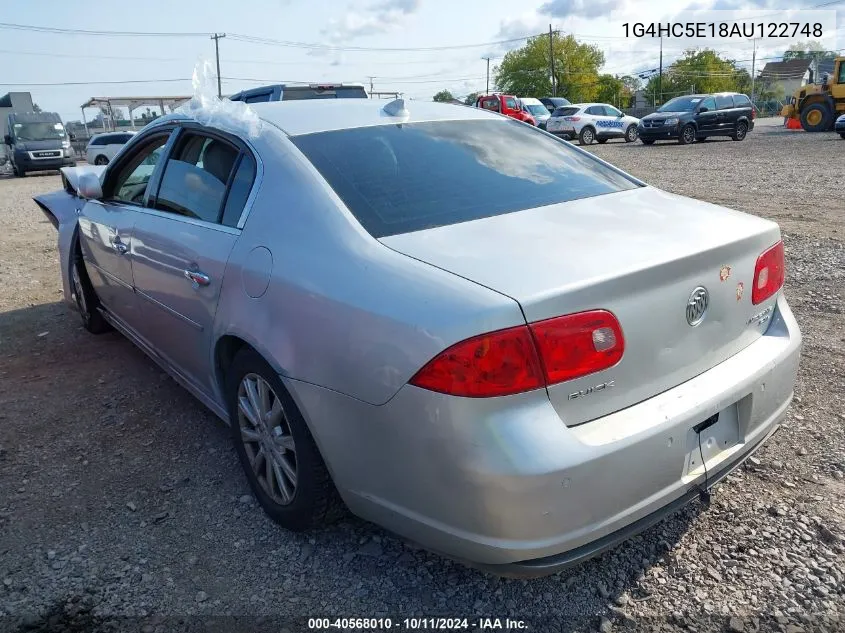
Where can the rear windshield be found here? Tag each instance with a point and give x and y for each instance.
(409, 177)
(340, 92)
(565, 111)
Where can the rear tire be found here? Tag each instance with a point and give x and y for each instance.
(647, 141)
(842, 134)
(816, 118)
(85, 297)
(741, 131)
(687, 135)
(292, 485)
(587, 136)
(631, 134)
(19, 173)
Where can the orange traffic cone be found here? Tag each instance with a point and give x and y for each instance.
(793, 124)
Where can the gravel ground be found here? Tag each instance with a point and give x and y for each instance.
(122, 506)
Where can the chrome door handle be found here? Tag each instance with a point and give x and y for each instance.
(118, 245)
(197, 278)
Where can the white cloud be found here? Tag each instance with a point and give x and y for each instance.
(580, 8)
(378, 18)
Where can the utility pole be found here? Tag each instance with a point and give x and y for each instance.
(216, 37)
(552, 61)
(488, 75)
(371, 85)
(660, 78)
(753, 63)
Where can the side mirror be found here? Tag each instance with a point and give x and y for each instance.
(89, 186)
(8, 140)
(700, 110)
(72, 136)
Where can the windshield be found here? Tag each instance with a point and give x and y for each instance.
(39, 131)
(422, 175)
(537, 110)
(680, 104)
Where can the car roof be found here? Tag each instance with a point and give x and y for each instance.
(531, 100)
(322, 115)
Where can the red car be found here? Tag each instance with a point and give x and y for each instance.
(505, 104)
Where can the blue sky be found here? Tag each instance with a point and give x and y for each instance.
(29, 57)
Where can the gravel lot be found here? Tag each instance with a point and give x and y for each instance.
(122, 505)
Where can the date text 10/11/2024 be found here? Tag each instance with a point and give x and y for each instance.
(712, 30)
(416, 624)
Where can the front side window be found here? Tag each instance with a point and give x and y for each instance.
(611, 111)
(196, 176)
(511, 103)
(709, 103)
(133, 176)
(410, 177)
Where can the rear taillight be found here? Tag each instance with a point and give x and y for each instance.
(769, 274)
(524, 358)
(571, 118)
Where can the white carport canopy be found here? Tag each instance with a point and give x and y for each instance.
(131, 103)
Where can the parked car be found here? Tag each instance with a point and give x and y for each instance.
(284, 92)
(553, 103)
(37, 141)
(537, 110)
(590, 122)
(508, 105)
(103, 147)
(477, 335)
(695, 117)
(839, 125)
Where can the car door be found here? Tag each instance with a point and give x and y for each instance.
(725, 119)
(615, 120)
(707, 121)
(106, 227)
(595, 116)
(183, 242)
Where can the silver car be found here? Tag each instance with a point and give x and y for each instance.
(464, 329)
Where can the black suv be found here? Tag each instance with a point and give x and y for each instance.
(695, 117)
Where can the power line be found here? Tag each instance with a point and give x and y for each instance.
(329, 47)
(66, 31)
(97, 83)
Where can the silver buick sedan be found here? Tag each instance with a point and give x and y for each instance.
(456, 325)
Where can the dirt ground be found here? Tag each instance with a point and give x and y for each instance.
(121, 497)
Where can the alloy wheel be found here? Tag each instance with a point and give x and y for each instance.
(267, 438)
(78, 294)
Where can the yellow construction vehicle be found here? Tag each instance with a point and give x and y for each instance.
(817, 106)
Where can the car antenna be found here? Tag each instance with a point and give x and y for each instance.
(396, 108)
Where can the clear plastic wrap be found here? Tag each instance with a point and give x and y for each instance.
(207, 108)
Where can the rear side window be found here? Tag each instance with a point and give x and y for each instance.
(121, 139)
(258, 98)
(724, 102)
(568, 111)
(239, 191)
(100, 140)
(491, 103)
(195, 178)
(741, 101)
(404, 178)
(595, 110)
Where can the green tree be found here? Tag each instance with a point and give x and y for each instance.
(698, 71)
(443, 96)
(36, 107)
(526, 71)
(470, 98)
(610, 90)
(808, 50)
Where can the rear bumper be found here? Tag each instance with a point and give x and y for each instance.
(508, 487)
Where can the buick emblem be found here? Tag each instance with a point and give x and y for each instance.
(697, 306)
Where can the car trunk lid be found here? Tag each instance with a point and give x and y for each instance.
(639, 254)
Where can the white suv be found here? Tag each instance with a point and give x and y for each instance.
(103, 147)
(592, 122)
